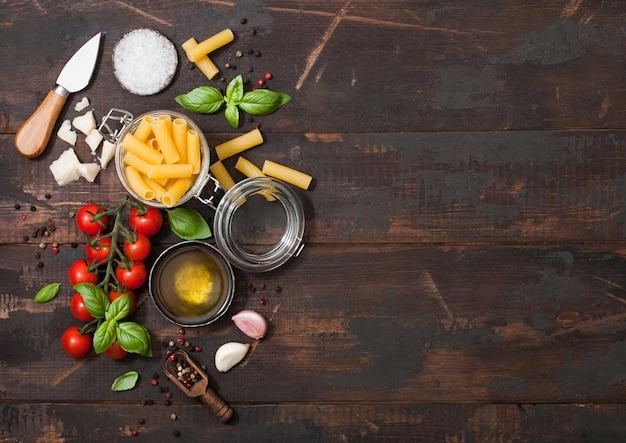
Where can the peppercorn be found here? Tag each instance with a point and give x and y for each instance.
(48, 196)
(23, 217)
(74, 245)
(135, 432)
(261, 82)
(257, 53)
(17, 206)
(154, 382)
(197, 348)
(176, 433)
(33, 208)
(279, 289)
(55, 250)
(173, 416)
(263, 301)
(238, 54)
(227, 65)
(250, 51)
(42, 245)
(40, 265)
(268, 76)
(141, 421)
(37, 255)
(167, 402)
(25, 238)
(243, 21)
(253, 32)
(262, 286)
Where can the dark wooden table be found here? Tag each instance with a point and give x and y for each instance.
(463, 276)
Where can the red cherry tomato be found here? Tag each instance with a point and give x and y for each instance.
(85, 221)
(115, 351)
(114, 295)
(79, 273)
(78, 308)
(149, 223)
(74, 343)
(99, 251)
(134, 277)
(139, 249)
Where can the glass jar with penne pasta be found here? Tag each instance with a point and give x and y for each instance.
(162, 159)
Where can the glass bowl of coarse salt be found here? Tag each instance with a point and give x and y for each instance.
(144, 61)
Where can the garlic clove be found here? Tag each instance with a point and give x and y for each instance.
(251, 323)
(229, 354)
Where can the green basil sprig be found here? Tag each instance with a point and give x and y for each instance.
(131, 336)
(208, 100)
(188, 224)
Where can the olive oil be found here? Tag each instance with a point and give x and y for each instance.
(192, 284)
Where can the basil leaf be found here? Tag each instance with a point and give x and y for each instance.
(96, 300)
(232, 115)
(47, 293)
(234, 91)
(134, 338)
(263, 101)
(203, 100)
(120, 308)
(104, 336)
(125, 382)
(188, 224)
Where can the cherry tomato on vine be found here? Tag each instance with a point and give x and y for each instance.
(85, 221)
(76, 344)
(134, 277)
(78, 308)
(114, 295)
(149, 223)
(139, 249)
(115, 351)
(79, 273)
(99, 251)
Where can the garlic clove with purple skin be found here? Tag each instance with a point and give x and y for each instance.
(251, 323)
(230, 354)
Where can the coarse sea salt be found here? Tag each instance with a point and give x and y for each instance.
(144, 61)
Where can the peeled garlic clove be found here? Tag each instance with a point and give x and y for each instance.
(229, 354)
(251, 323)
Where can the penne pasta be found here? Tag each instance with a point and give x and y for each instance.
(158, 188)
(210, 44)
(205, 64)
(144, 130)
(193, 150)
(239, 144)
(176, 191)
(247, 168)
(164, 139)
(287, 174)
(221, 175)
(178, 170)
(137, 183)
(179, 136)
(132, 144)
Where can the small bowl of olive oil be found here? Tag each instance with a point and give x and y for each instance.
(192, 284)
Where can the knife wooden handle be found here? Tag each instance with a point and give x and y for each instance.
(32, 138)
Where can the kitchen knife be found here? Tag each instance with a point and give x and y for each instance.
(33, 136)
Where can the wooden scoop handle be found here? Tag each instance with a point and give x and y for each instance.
(32, 138)
(220, 408)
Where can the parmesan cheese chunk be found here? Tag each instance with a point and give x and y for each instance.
(65, 168)
(85, 123)
(81, 105)
(66, 133)
(93, 140)
(89, 171)
(107, 153)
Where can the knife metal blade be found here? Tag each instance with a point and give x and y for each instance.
(33, 136)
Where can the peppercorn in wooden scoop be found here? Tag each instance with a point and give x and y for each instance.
(194, 382)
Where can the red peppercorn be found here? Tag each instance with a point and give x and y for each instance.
(172, 356)
(135, 432)
(261, 82)
(268, 76)
(23, 217)
(180, 340)
(197, 349)
(263, 300)
(168, 394)
(181, 331)
(155, 382)
(55, 250)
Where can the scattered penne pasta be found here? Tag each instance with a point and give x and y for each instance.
(221, 175)
(239, 144)
(287, 174)
(205, 64)
(247, 168)
(210, 44)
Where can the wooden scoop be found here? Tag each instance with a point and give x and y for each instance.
(200, 388)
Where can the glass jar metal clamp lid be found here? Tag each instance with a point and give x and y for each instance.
(259, 223)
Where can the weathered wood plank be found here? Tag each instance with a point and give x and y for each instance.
(363, 323)
(354, 66)
(509, 187)
(312, 423)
